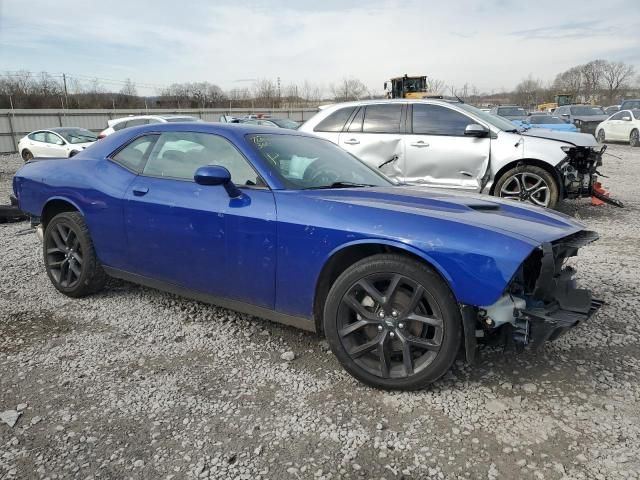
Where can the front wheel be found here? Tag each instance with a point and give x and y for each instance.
(528, 183)
(600, 136)
(634, 138)
(393, 323)
(69, 256)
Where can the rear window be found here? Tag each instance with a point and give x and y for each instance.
(335, 121)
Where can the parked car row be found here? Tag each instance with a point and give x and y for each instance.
(68, 141)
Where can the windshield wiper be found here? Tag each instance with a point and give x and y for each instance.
(341, 185)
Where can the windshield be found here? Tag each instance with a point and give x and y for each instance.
(544, 119)
(587, 110)
(182, 119)
(512, 111)
(77, 135)
(307, 163)
(285, 123)
(494, 120)
(636, 114)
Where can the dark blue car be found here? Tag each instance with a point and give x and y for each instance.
(289, 227)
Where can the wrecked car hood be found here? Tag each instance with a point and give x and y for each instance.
(520, 220)
(574, 138)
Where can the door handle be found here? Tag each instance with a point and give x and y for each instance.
(140, 191)
(466, 174)
(353, 141)
(420, 144)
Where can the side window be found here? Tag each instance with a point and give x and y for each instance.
(53, 139)
(335, 121)
(153, 120)
(119, 126)
(384, 118)
(38, 136)
(133, 155)
(438, 120)
(180, 154)
(356, 123)
(619, 115)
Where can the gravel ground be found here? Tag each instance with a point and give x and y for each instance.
(134, 383)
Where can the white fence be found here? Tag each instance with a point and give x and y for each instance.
(14, 124)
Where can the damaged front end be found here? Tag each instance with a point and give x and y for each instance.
(579, 170)
(541, 303)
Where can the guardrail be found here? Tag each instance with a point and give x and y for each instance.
(14, 124)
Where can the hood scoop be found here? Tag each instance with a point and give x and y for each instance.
(484, 207)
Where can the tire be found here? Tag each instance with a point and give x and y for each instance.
(429, 328)
(634, 138)
(73, 153)
(536, 178)
(26, 155)
(70, 258)
(600, 136)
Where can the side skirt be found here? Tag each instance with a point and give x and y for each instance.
(299, 322)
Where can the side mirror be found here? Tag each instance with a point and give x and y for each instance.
(475, 130)
(216, 175)
(626, 119)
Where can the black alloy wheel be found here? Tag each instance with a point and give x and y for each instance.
(634, 138)
(392, 322)
(27, 155)
(69, 256)
(600, 137)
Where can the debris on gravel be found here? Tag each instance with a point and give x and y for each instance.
(135, 383)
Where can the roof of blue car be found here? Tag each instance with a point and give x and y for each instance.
(231, 129)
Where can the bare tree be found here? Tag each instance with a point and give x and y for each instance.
(569, 81)
(528, 91)
(265, 93)
(348, 89)
(592, 78)
(435, 85)
(129, 88)
(616, 76)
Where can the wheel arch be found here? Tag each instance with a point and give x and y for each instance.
(529, 161)
(346, 255)
(55, 206)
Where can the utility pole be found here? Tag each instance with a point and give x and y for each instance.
(64, 81)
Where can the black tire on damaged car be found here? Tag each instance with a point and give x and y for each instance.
(506, 184)
(634, 138)
(69, 256)
(432, 347)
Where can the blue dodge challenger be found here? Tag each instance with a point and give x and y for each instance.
(289, 227)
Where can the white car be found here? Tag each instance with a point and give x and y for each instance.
(622, 126)
(439, 143)
(133, 121)
(55, 142)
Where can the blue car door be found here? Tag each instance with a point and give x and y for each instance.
(196, 236)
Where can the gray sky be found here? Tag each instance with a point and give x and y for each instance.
(492, 44)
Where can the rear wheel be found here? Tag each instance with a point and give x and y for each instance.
(393, 322)
(528, 183)
(26, 155)
(600, 136)
(73, 153)
(634, 138)
(69, 256)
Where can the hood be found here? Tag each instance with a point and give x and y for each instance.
(574, 138)
(525, 222)
(590, 118)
